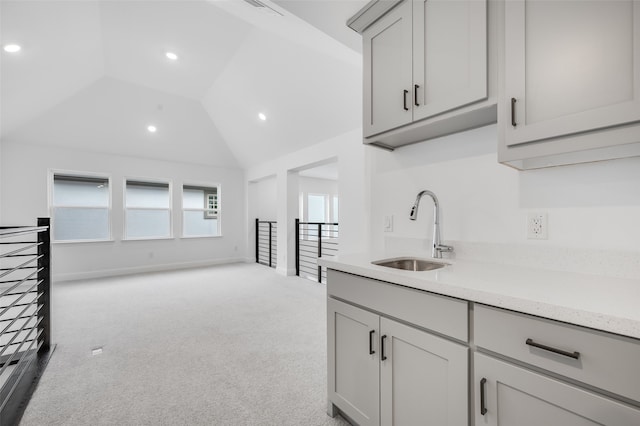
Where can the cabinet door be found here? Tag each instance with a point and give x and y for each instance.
(449, 55)
(424, 378)
(353, 362)
(517, 396)
(387, 71)
(570, 67)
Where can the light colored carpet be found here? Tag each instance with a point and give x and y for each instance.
(227, 345)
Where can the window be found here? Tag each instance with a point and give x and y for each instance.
(147, 210)
(80, 208)
(201, 211)
(316, 212)
(316, 207)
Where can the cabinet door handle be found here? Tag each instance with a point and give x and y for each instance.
(382, 355)
(371, 351)
(574, 355)
(415, 95)
(483, 406)
(406, 92)
(513, 112)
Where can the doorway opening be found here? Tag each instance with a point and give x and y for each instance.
(317, 226)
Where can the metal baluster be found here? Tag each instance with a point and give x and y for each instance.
(297, 247)
(270, 245)
(319, 251)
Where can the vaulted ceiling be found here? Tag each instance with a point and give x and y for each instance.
(93, 75)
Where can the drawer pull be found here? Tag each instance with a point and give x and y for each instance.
(483, 406)
(371, 351)
(382, 355)
(574, 355)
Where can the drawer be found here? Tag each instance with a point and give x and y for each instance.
(441, 314)
(599, 359)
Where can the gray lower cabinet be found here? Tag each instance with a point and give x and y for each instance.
(383, 372)
(510, 395)
(567, 372)
(399, 356)
(423, 378)
(353, 361)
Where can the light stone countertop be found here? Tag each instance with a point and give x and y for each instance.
(599, 302)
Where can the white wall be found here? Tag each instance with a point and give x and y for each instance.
(263, 196)
(312, 185)
(23, 191)
(589, 206)
(1, 180)
(353, 186)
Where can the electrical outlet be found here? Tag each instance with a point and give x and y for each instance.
(388, 223)
(537, 226)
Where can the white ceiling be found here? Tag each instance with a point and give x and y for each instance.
(136, 35)
(43, 73)
(329, 16)
(306, 97)
(92, 75)
(112, 116)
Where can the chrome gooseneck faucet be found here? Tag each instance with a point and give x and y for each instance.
(437, 247)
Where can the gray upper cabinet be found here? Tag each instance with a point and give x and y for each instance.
(570, 90)
(449, 55)
(388, 70)
(427, 69)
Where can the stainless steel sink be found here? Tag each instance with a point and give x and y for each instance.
(410, 264)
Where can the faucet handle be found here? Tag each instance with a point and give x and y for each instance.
(441, 247)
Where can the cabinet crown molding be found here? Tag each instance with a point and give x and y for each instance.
(370, 13)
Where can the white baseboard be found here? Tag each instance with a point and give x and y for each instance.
(104, 273)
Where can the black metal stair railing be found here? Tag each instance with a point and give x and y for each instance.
(315, 240)
(266, 247)
(25, 314)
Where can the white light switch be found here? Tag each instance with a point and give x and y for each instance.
(388, 223)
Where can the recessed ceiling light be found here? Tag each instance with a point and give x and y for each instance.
(262, 117)
(171, 56)
(12, 48)
(151, 128)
